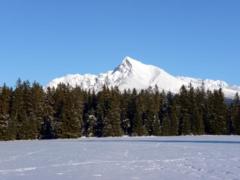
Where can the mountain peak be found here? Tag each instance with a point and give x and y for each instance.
(130, 61)
(132, 65)
(127, 65)
(131, 73)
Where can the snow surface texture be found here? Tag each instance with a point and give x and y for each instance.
(139, 158)
(134, 74)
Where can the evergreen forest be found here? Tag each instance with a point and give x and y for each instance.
(30, 111)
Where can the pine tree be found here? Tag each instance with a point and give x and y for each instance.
(185, 118)
(138, 129)
(195, 110)
(186, 125)
(199, 110)
(72, 115)
(151, 118)
(77, 110)
(30, 114)
(135, 111)
(197, 119)
(47, 131)
(236, 115)
(166, 126)
(222, 113)
(125, 120)
(208, 113)
(21, 112)
(115, 112)
(90, 124)
(69, 112)
(5, 98)
(111, 119)
(100, 112)
(172, 115)
(36, 109)
(217, 113)
(59, 99)
(131, 111)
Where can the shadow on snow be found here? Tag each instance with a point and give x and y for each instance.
(160, 141)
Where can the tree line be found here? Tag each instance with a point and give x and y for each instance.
(31, 112)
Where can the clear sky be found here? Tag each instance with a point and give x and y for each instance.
(43, 39)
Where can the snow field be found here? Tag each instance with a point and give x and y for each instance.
(124, 158)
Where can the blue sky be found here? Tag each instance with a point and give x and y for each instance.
(44, 39)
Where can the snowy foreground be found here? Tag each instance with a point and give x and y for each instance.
(145, 158)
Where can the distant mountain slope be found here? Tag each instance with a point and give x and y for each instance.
(134, 74)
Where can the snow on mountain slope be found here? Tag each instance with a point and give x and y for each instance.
(134, 74)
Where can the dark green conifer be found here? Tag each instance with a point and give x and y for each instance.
(5, 99)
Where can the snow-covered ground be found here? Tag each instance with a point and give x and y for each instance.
(125, 158)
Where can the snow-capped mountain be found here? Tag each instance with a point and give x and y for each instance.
(132, 73)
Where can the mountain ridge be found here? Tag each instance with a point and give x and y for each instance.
(132, 73)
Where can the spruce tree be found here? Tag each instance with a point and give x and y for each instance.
(69, 112)
(172, 115)
(136, 111)
(89, 114)
(151, 118)
(5, 99)
(59, 117)
(47, 131)
(100, 112)
(90, 123)
(236, 115)
(199, 111)
(111, 118)
(217, 113)
(36, 109)
(21, 112)
(166, 129)
(197, 119)
(125, 120)
(186, 125)
(185, 117)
